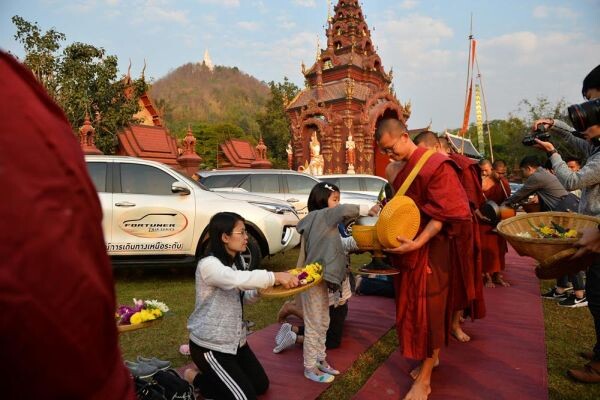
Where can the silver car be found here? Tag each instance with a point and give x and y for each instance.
(357, 183)
(290, 186)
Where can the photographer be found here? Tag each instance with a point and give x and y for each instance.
(586, 120)
(552, 195)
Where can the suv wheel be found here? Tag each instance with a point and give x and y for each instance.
(252, 255)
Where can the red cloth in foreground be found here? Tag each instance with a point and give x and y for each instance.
(422, 312)
(59, 338)
(493, 246)
(471, 278)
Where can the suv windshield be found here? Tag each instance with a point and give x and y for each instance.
(222, 181)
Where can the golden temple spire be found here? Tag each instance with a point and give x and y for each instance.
(318, 49)
(329, 17)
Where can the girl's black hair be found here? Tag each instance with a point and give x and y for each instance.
(221, 223)
(319, 195)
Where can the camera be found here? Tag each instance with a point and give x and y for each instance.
(541, 133)
(585, 114)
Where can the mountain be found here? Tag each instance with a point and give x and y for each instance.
(193, 93)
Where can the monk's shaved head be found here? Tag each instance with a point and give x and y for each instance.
(392, 126)
(499, 164)
(445, 145)
(485, 162)
(428, 139)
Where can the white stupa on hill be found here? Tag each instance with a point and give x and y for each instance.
(207, 61)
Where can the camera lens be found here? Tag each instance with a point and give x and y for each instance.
(585, 114)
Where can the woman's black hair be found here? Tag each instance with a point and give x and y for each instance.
(319, 195)
(221, 223)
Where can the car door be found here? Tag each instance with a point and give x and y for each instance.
(373, 186)
(100, 172)
(350, 184)
(148, 218)
(266, 185)
(298, 188)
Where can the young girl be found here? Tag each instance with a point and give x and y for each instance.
(322, 244)
(228, 368)
(289, 334)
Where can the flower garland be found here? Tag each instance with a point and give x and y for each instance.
(141, 311)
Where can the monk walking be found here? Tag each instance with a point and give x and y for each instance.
(467, 281)
(494, 248)
(422, 315)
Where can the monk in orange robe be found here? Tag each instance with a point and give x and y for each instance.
(493, 245)
(427, 261)
(467, 280)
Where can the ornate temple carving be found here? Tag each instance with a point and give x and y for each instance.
(346, 85)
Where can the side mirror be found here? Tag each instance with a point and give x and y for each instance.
(180, 188)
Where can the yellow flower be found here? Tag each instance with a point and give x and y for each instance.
(136, 318)
(156, 312)
(147, 315)
(571, 233)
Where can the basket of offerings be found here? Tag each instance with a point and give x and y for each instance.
(547, 236)
(309, 276)
(142, 314)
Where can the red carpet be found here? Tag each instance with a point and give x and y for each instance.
(369, 318)
(505, 359)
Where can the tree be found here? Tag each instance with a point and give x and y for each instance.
(274, 123)
(209, 136)
(83, 80)
(507, 134)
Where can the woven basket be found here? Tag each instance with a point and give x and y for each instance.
(135, 327)
(543, 249)
(280, 291)
(366, 237)
(399, 217)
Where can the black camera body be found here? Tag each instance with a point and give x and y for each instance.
(541, 133)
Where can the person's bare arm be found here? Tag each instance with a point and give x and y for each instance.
(391, 171)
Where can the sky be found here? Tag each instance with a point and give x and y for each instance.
(526, 48)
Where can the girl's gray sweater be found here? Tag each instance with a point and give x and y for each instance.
(323, 244)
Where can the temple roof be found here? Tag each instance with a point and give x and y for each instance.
(149, 142)
(236, 153)
(469, 149)
(330, 91)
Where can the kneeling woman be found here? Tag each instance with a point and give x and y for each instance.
(228, 368)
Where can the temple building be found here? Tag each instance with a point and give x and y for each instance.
(347, 91)
(148, 139)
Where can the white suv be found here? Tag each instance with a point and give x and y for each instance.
(358, 183)
(154, 215)
(291, 186)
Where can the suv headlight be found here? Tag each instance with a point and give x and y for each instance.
(274, 208)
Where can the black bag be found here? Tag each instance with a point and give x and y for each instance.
(148, 390)
(569, 203)
(175, 388)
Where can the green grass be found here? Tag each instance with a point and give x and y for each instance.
(568, 331)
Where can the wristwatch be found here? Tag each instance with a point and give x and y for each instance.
(549, 153)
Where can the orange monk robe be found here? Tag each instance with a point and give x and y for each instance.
(493, 246)
(469, 277)
(422, 312)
